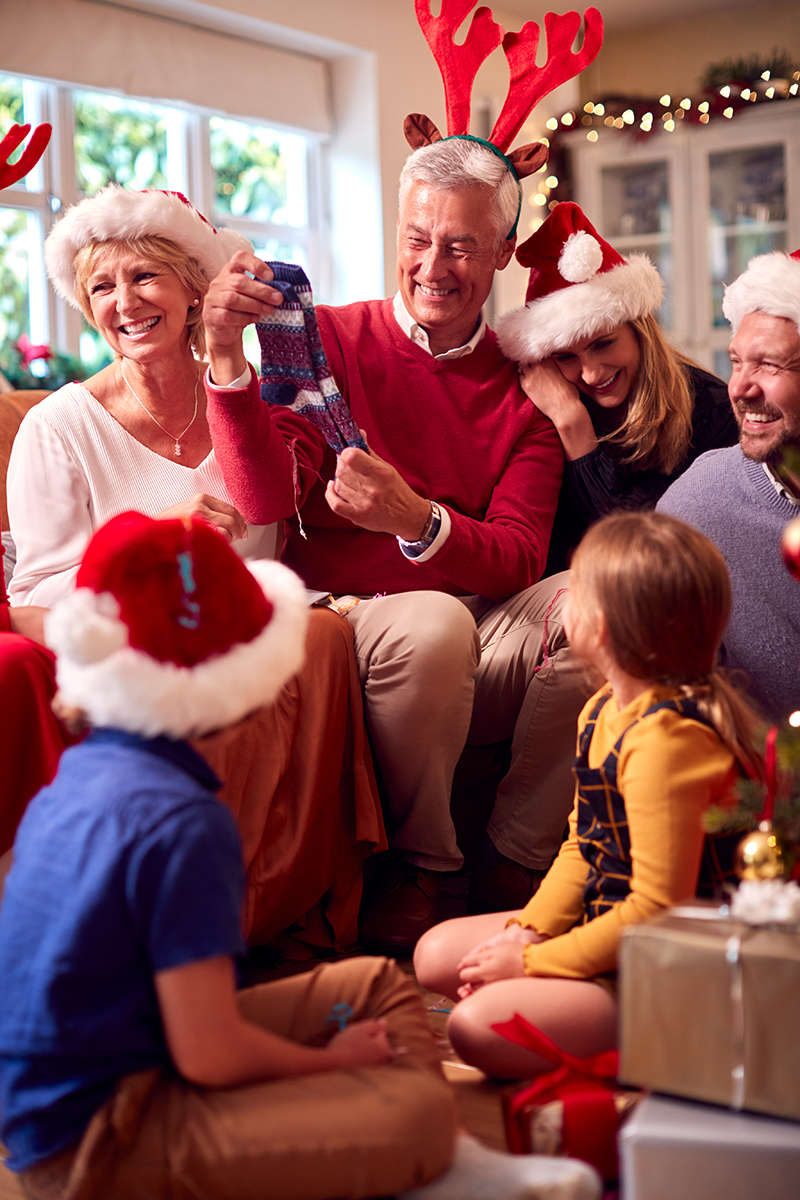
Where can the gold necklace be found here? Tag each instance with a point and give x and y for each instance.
(177, 439)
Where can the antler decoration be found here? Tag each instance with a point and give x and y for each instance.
(529, 84)
(13, 172)
(458, 64)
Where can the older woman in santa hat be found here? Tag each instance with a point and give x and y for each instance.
(632, 412)
(140, 265)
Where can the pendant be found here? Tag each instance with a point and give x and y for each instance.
(177, 450)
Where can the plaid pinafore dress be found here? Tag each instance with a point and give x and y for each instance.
(603, 834)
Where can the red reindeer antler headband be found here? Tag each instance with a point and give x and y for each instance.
(529, 84)
(12, 173)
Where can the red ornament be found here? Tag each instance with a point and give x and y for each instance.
(790, 547)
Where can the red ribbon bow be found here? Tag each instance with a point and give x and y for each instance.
(585, 1085)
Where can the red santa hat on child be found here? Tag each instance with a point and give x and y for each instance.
(770, 284)
(169, 632)
(117, 215)
(579, 287)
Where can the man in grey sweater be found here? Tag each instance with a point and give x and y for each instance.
(743, 497)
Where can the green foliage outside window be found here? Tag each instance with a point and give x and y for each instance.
(250, 171)
(13, 229)
(119, 141)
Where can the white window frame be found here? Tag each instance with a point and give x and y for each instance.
(53, 189)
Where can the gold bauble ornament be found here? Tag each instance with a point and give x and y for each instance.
(758, 855)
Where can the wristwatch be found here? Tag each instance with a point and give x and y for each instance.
(429, 534)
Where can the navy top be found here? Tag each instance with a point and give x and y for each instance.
(603, 835)
(125, 865)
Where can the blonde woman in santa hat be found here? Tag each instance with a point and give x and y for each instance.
(135, 436)
(632, 412)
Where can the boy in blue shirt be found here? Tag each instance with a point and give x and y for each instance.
(130, 1067)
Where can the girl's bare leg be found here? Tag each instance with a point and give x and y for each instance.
(442, 947)
(580, 1016)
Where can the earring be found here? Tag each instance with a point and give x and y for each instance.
(196, 301)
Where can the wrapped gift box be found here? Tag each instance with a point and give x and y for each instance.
(540, 1127)
(678, 1148)
(710, 1009)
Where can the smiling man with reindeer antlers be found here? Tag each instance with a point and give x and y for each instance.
(438, 535)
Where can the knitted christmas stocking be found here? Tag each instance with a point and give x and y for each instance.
(294, 369)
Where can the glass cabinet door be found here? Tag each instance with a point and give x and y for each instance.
(637, 217)
(747, 212)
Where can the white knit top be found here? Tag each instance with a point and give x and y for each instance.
(72, 467)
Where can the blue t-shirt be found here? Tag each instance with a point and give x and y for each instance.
(127, 864)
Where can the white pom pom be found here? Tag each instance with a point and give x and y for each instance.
(84, 626)
(581, 257)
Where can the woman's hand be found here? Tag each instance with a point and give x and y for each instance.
(363, 1044)
(222, 516)
(559, 400)
(28, 620)
(487, 964)
(233, 301)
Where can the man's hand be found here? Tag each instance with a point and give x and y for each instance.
(28, 620)
(218, 513)
(233, 301)
(369, 492)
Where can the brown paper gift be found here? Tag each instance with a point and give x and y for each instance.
(710, 1009)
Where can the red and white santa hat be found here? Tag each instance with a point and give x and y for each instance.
(169, 632)
(117, 215)
(579, 287)
(770, 284)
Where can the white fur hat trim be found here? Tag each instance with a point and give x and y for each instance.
(115, 214)
(129, 690)
(561, 318)
(770, 284)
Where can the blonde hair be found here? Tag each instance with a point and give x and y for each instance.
(160, 250)
(664, 592)
(657, 429)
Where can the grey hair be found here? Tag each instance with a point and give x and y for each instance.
(455, 163)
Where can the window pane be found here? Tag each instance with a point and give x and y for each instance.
(119, 141)
(12, 112)
(14, 297)
(259, 173)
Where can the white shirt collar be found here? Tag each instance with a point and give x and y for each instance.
(780, 486)
(418, 335)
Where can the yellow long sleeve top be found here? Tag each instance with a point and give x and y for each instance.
(670, 769)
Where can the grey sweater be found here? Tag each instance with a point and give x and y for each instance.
(733, 502)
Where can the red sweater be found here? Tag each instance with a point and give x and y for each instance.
(460, 432)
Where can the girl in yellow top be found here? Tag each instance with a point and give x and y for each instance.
(664, 738)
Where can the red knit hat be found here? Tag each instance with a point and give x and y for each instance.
(169, 632)
(770, 284)
(579, 286)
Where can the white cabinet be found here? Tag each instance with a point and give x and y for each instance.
(701, 201)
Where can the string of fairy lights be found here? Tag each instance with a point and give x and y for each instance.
(643, 117)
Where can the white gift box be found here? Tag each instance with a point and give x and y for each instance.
(683, 1150)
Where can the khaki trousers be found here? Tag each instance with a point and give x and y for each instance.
(440, 671)
(340, 1134)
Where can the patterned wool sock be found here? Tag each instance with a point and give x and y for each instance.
(294, 368)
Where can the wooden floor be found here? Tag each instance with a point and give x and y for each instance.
(478, 1099)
